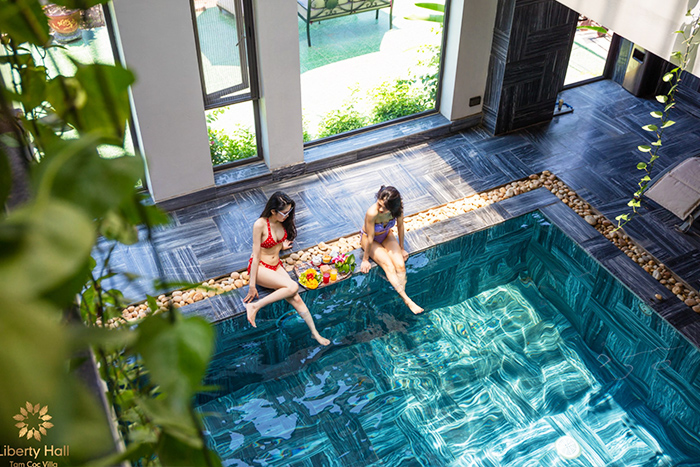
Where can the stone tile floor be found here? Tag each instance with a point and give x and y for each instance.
(593, 150)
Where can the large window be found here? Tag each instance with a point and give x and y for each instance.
(227, 66)
(366, 62)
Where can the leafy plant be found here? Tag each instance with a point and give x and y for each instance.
(336, 122)
(430, 79)
(673, 77)
(346, 265)
(227, 146)
(395, 100)
(60, 197)
(599, 29)
(306, 136)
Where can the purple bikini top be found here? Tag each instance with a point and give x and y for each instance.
(382, 228)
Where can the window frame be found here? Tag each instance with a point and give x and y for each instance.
(251, 63)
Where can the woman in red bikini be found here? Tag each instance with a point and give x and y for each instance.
(265, 267)
(379, 242)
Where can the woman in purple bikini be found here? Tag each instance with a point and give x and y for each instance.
(380, 244)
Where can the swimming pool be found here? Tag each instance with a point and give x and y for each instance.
(530, 353)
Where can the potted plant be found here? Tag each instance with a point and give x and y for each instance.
(64, 22)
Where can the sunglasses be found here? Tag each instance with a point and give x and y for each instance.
(285, 214)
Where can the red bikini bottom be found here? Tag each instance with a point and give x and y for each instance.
(262, 263)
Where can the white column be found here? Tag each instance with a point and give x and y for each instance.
(466, 60)
(277, 42)
(157, 43)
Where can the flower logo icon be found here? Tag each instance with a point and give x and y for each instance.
(33, 421)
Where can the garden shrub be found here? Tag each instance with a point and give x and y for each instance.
(336, 122)
(306, 136)
(231, 146)
(396, 100)
(429, 79)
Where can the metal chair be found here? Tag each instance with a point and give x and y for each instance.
(317, 10)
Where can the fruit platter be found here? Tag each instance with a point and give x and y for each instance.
(325, 270)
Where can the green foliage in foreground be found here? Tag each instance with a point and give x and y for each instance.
(54, 293)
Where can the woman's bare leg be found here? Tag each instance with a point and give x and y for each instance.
(305, 314)
(272, 280)
(381, 256)
(286, 289)
(396, 256)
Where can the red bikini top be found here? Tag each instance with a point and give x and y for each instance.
(270, 241)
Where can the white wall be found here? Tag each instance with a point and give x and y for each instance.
(466, 62)
(277, 42)
(648, 23)
(157, 43)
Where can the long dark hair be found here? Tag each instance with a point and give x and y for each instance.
(277, 202)
(391, 198)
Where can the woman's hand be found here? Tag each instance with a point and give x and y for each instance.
(365, 266)
(252, 294)
(405, 255)
(286, 245)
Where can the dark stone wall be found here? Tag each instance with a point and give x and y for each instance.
(529, 56)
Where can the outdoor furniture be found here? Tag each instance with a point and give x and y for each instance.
(678, 189)
(317, 10)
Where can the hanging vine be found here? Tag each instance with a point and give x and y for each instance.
(668, 100)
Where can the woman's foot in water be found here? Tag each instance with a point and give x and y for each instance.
(251, 310)
(413, 307)
(320, 339)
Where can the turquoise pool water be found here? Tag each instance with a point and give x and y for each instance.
(529, 354)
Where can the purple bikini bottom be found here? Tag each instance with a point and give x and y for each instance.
(379, 237)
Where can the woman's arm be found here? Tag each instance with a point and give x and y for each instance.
(367, 239)
(400, 228)
(257, 235)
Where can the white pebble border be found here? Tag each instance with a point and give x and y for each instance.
(238, 279)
